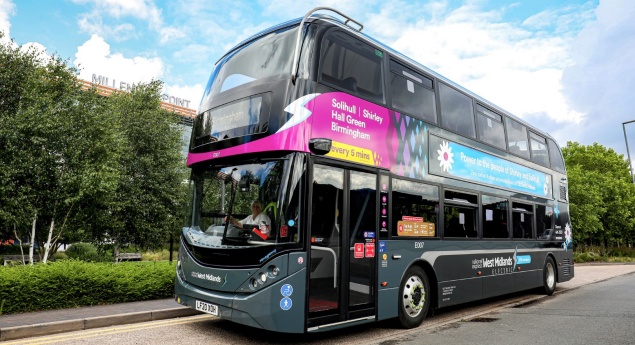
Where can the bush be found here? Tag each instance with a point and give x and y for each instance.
(87, 252)
(162, 255)
(59, 256)
(74, 283)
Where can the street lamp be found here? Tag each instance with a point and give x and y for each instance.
(630, 163)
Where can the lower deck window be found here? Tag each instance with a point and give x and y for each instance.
(460, 215)
(415, 208)
(494, 217)
(522, 220)
(544, 221)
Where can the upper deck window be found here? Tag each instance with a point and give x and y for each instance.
(556, 157)
(412, 93)
(490, 127)
(352, 65)
(457, 114)
(517, 138)
(539, 152)
(265, 57)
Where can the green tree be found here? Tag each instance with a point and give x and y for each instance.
(57, 146)
(602, 194)
(146, 205)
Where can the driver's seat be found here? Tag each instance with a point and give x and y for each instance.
(271, 210)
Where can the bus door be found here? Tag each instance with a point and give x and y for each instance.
(343, 231)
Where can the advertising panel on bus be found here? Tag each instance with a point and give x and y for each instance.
(363, 132)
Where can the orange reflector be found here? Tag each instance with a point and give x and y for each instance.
(384, 283)
(518, 268)
(479, 273)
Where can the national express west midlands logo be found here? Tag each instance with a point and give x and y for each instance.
(209, 277)
(501, 264)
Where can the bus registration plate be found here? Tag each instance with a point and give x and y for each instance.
(207, 308)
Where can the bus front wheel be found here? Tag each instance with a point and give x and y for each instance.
(549, 276)
(414, 297)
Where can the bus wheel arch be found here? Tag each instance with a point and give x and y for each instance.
(549, 275)
(415, 295)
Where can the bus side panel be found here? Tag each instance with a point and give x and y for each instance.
(394, 260)
(388, 307)
(493, 285)
(527, 279)
(458, 281)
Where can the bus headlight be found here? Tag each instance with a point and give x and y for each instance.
(273, 271)
(253, 283)
(263, 277)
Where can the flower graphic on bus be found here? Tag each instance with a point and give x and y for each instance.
(567, 236)
(546, 186)
(445, 156)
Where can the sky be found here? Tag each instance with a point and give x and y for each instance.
(567, 66)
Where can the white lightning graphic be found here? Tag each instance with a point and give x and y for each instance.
(298, 111)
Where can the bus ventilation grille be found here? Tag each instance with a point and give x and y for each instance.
(566, 267)
(563, 193)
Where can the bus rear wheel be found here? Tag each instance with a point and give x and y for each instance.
(549, 277)
(414, 298)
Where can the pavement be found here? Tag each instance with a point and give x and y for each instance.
(17, 326)
(24, 325)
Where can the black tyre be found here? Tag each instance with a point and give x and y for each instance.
(414, 297)
(549, 276)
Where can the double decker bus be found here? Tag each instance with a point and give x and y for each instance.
(388, 189)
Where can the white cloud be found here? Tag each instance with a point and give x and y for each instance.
(516, 68)
(7, 9)
(191, 93)
(170, 34)
(193, 53)
(94, 57)
(142, 9)
(291, 9)
(601, 80)
(93, 22)
(42, 55)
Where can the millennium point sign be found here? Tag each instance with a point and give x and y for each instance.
(124, 86)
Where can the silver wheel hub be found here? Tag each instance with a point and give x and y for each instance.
(413, 296)
(551, 275)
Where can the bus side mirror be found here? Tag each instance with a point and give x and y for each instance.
(243, 184)
(320, 146)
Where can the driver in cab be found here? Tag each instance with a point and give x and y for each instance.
(257, 217)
